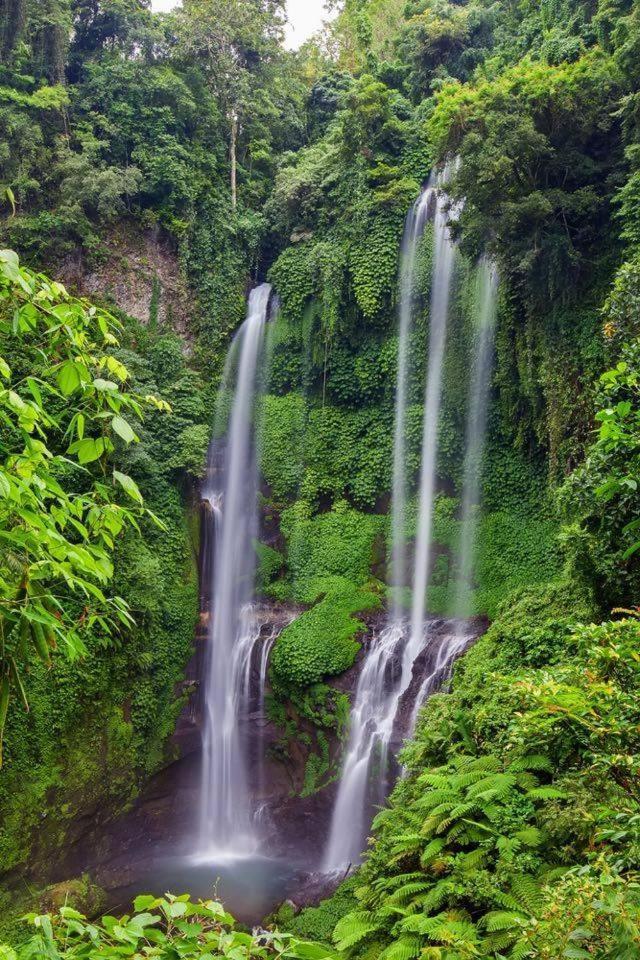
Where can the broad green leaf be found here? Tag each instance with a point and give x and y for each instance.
(128, 485)
(68, 378)
(123, 429)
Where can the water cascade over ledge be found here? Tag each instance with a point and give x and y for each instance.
(484, 318)
(233, 633)
(388, 671)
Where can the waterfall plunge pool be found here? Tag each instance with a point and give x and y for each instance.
(250, 887)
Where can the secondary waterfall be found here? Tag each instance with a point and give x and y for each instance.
(486, 305)
(477, 410)
(388, 671)
(231, 490)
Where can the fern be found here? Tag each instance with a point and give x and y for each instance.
(354, 928)
(502, 920)
(527, 891)
(496, 943)
(530, 836)
(405, 948)
(433, 779)
(432, 851)
(399, 880)
(485, 764)
(546, 793)
(537, 762)
(521, 950)
(408, 891)
(499, 785)
(435, 797)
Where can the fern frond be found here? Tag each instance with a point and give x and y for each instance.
(439, 781)
(498, 785)
(521, 950)
(502, 920)
(529, 836)
(535, 762)
(464, 809)
(546, 793)
(432, 851)
(527, 781)
(435, 797)
(474, 860)
(508, 846)
(527, 891)
(486, 763)
(408, 891)
(405, 948)
(354, 928)
(496, 943)
(391, 883)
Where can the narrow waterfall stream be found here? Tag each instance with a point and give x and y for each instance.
(226, 821)
(388, 670)
(413, 233)
(443, 266)
(477, 410)
(478, 405)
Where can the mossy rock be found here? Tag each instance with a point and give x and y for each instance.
(323, 641)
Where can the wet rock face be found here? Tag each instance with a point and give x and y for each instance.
(140, 274)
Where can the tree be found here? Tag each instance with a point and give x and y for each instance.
(232, 42)
(64, 410)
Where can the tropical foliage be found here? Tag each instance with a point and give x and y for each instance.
(196, 140)
(159, 927)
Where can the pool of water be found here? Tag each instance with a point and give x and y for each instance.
(249, 887)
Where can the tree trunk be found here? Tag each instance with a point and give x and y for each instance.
(234, 163)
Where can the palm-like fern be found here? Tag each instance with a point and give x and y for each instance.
(439, 855)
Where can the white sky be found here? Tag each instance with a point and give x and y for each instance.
(305, 18)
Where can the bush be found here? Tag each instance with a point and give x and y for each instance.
(322, 642)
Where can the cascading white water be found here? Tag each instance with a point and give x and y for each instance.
(232, 485)
(372, 719)
(413, 232)
(478, 406)
(379, 694)
(486, 305)
(443, 266)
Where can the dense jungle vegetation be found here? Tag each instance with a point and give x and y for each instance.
(516, 832)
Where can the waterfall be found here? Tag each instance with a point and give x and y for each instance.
(443, 266)
(478, 406)
(382, 685)
(233, 634)
(413, 231)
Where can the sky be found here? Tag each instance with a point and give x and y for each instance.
(305, 18)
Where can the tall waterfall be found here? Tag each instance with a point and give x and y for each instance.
(413, 231)
(382, 685)
(443, 266)
(231, 491)
(478, 405)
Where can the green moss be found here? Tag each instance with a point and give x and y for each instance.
(323, 641)
(318, 923)
(340, 543)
